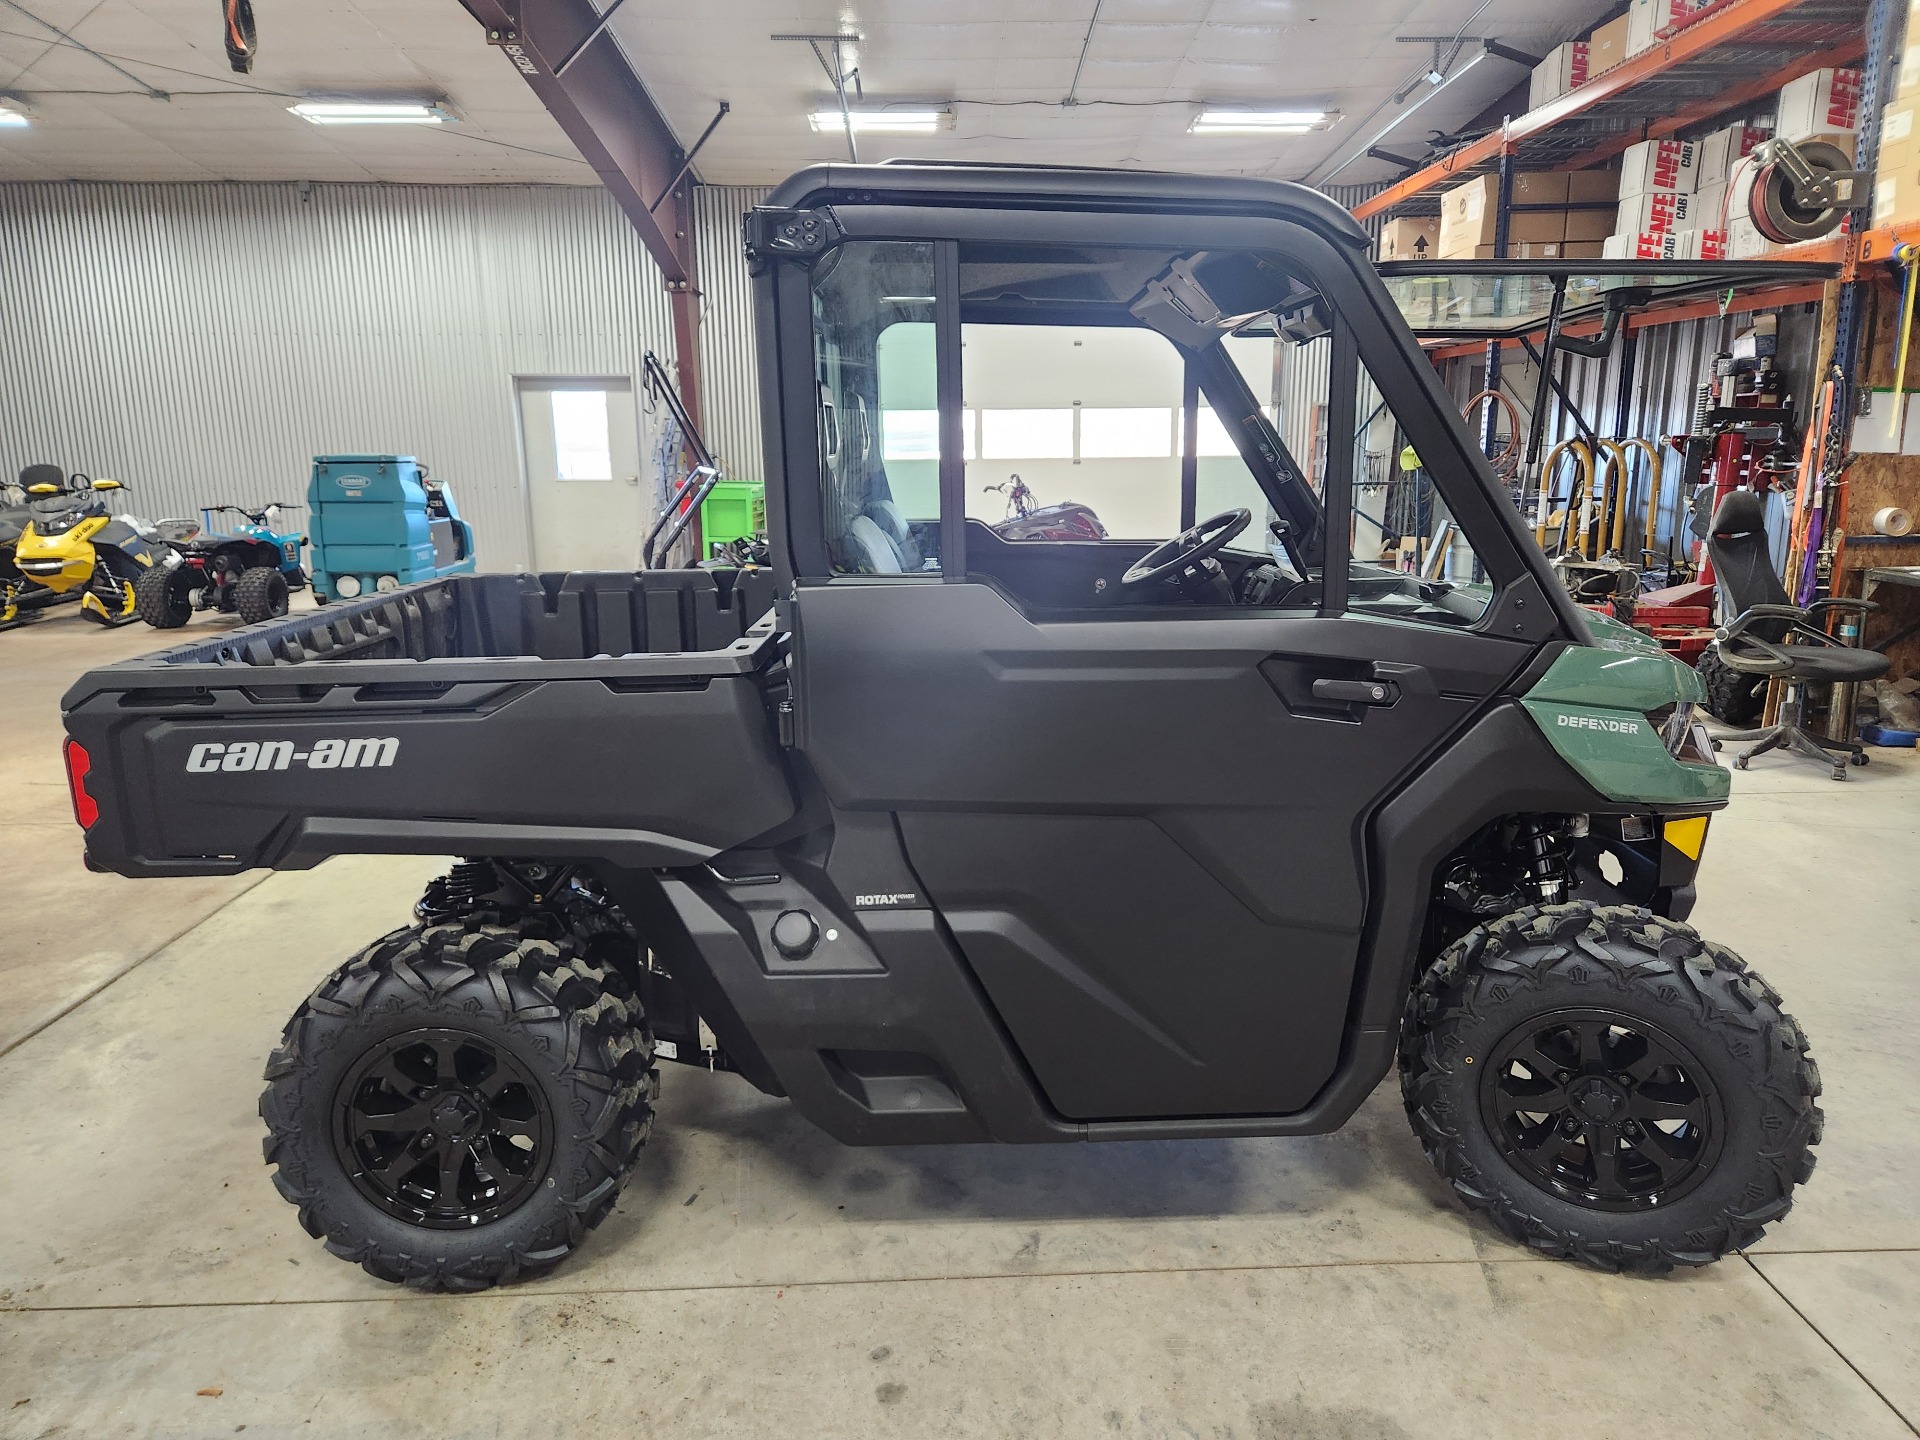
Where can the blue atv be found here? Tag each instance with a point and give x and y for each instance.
(379, 523)
(248, 571)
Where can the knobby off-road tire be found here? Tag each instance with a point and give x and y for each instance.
(161, 600)
(1733, 696)
(1637, 989)
(475, 1032)
(260, 594)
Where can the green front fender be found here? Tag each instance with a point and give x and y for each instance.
(1592, 705)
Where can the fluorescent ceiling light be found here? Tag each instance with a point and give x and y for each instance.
(1215, 121)
(341, 112)
(898, 122)
(12, 119)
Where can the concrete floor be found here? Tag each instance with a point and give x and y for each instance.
(759, 1279)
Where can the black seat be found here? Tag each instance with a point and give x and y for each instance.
(1770, 635)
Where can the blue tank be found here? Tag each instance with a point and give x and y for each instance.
(377, 522)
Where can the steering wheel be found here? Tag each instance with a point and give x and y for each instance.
(1188, 548)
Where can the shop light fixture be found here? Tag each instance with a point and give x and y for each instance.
(12, 117)
(355, 112)
(1214, 120)
(880, 122)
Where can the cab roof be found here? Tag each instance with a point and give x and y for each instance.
(931, 182)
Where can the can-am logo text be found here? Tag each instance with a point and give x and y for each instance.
(366, 753)
(1594, 722)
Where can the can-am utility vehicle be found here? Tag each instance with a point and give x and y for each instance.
(74, 544)
(952, 837)
(246, 571)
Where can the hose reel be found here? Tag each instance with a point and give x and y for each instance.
(1802, 191)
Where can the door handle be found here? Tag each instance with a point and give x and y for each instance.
(1356, 692)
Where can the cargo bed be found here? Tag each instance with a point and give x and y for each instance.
(622, 716)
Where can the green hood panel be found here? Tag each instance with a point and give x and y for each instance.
(1609, 634)
(1592, 706)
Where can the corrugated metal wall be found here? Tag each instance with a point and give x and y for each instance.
(204, 342)
(728, 368)
(1673, 361)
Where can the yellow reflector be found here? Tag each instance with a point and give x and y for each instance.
(1688, 836)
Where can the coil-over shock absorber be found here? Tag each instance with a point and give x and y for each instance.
(448, 895)
(1548, 857)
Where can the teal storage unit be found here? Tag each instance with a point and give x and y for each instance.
(377, 522)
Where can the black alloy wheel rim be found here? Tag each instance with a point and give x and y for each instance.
(442, 1129)
(1602, 1109)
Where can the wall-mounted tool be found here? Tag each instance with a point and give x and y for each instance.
(1803, 191)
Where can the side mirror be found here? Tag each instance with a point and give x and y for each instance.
(108, 485)
(43, 489)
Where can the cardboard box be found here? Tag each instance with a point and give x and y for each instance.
(1647, 18)
(1593, 185)
(1710, 209)
(1563, 69)
(1744, 242)
(1701, 244)
(1823, 101)
(1607, 47)
(1410, 239)
(1661, 210)
(1719, 150)
(1659, 165)
(1645, 245)
(1589, 226)
(1583, 249)
(1468, 213)
(1537, 187)
(1896, 189)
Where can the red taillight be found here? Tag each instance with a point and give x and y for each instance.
(79, 765)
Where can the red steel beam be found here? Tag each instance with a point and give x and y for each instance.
(618, 130)
(1717, 27)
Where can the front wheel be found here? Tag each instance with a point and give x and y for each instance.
(460, 1104)
(1609, 1087)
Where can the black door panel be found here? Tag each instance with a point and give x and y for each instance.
(1133, 981)
(1152, 827)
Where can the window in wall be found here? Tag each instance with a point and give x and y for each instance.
(1026, 434)
(582, 444)
(1142, 432)
(1081, 414)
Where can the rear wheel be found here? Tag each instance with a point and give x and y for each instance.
(260, 594)
(460, 1104)
(164, 598)
(1609, 1087)
(1732, 695)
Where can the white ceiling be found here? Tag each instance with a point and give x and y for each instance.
(93, 124)
(1005, 65)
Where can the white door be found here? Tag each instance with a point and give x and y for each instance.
(582, 444)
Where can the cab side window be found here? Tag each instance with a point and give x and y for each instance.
(873, 345)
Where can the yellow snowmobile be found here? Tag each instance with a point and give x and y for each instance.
(73, 543)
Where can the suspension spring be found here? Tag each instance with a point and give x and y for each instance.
(1548, 859)
(466, 882)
